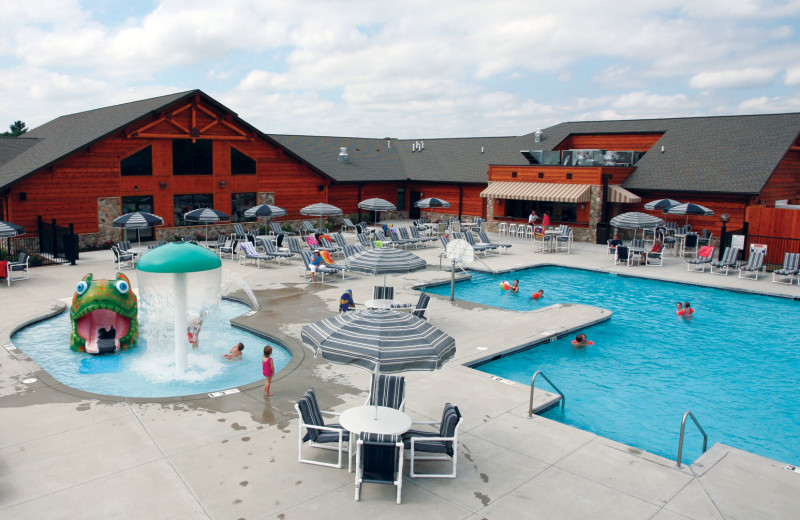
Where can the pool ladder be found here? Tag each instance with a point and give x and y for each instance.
(533, 383)
(683, 426)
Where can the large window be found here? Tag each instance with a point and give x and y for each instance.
(190, 158)
(240, 202)
(185, 203)
(140, 163)
(138, 203)
(241, 164)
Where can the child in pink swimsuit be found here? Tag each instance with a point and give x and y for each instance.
(267, 368)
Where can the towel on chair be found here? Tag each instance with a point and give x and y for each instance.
(705, 251)
(326, 257)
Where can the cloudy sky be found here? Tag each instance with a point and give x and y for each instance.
(406, 69)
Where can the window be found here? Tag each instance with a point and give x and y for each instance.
(240, 202)
(513, 175)
(401, 198)
(185, 203)
(541, 175)
(139, 163)
(558, 211)
(138, 203)
(569, 176)
(241, 164)
(190, 158)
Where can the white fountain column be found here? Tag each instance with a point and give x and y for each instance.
(181, 339)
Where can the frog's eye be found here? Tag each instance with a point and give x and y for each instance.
(123, 287)
(82, 286)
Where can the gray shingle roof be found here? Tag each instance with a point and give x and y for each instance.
(727, 154)
(62, 136)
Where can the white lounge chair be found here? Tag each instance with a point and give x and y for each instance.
(790, 269)
(755, 264)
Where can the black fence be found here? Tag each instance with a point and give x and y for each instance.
(51, 244)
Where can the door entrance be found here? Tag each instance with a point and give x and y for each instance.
(138, 203)
(413, 211)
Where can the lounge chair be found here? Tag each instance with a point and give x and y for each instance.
(655, 255)
(790, 269)
(277, 230)
(339, 239)
(334, 266)
(728, 262)
(322, 270)
(755, 264)
(271, 250)
(390, 391)
(318, 434)
(122, 260)
(327, 245)
(423, 239)
(705, 256)
(247, 251)
(239, 232)
(484, 239)
(220, 242)
(364, 240)
(439, 445)
(397, 240)
(478, 248)
(405, 234)
(352, 250)
(20, 266)
(348, 224)
(379, 460)
(306, 228)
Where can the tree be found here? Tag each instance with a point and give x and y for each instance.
(16, 128)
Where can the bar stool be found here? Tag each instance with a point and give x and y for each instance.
(503, 229)
(528, 231)
(512, 230)
(521, 231)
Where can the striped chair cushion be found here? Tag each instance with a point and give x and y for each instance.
(390, 391)
(447, 428)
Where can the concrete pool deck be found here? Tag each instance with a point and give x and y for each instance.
(64, 453)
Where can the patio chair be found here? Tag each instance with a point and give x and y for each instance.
(379, 460)
(541, 241)
(439, 445)
(229, 249)
(317, 433)
(348, 224)
(790, 269)
(247, 251)
(564, 240)
(422, 307)
(728, 261)
(755, 264)
(484, 238)
(339, 240)
(705, 238)
(239, 232)
(690, 244)
(623, 255)
(122, 260)
(423, 239)
(220, 242)
(271, 250)
(390, 391)
(20, 266)
(655, 255)
(277, 230)
(704, 257)
(322, 270)
(381, 292)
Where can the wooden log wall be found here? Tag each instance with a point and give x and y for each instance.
(785, 180)
(773, 222)
(560, 174)
(619, 142)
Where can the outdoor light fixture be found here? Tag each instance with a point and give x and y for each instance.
(222, 184)
(723, 236)
(725, 218)
(163, 185)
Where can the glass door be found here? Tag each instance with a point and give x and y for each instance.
(138, 203)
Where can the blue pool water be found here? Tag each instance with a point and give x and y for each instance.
(149, 370)
(735, 364)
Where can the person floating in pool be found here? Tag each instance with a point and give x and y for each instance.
(679, 309)
(538, 294)
(687, 310)
(515, 286)
(580, 341)
(236, 352)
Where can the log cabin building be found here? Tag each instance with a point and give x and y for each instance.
(173, 153)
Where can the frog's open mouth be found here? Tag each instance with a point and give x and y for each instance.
(102, 330)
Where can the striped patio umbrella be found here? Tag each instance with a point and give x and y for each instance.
(690, 209)
(432, 202)
(662, 204)
(320, 209)
(138, 220)
(380, 341)
(636, 220)
(377, 205)
(265, 210)
(205, 216)
(385, 260)
(7, 229)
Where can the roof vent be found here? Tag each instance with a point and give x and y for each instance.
(481, 149)
(388, 143)
(421, 145)
(343, 154)
(537, 136)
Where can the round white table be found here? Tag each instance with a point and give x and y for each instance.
(387, 421)
(378, 304)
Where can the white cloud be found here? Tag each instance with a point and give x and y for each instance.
(752, 77)
(792, 76)
(764, 104)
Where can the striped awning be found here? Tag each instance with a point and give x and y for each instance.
(538, 191)
(617, 193)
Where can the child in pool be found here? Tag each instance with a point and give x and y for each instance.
(679, 309)
(581, 341)
(515, 288)
(537, 295)
(267, 368)
(236, 352)
(687, 310)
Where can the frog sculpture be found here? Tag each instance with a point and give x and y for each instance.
(103, 315)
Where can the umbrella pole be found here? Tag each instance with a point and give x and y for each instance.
(375, 388)
(139, 238)
(453, 281)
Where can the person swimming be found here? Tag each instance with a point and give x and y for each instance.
(537, 295)
(687, 310)
(580, 341)
(679, 309)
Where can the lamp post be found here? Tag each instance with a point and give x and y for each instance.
(723, 236)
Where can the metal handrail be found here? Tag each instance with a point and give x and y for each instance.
(533, 382)
(683, 425)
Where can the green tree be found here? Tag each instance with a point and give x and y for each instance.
(16, 128)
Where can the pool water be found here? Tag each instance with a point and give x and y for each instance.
(149, 370)
(734, 364)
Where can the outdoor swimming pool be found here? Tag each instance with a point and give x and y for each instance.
(139, 373)
(735, 364)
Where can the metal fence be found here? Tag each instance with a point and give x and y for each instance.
(776, 247)
(50, 245)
